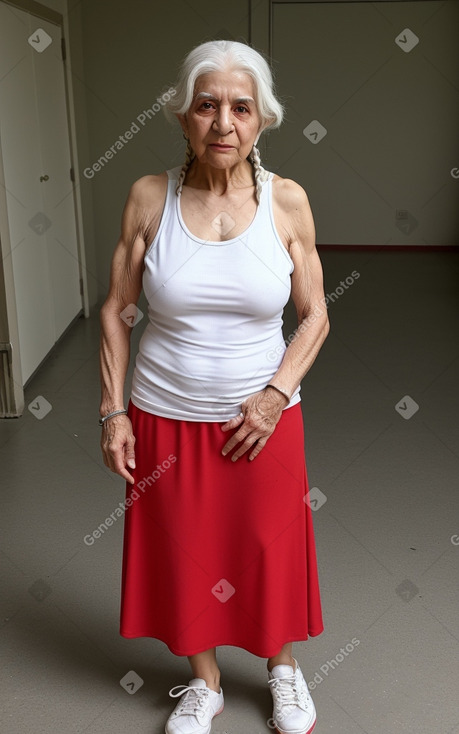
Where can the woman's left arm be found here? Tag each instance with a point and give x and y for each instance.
(261, 412)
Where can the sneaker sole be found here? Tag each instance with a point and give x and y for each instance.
(308, 731)
(216, 714)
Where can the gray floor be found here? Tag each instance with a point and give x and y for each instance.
(387, 535)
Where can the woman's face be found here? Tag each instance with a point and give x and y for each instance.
(223, 121)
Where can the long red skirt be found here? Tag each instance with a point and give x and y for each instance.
(218, 552)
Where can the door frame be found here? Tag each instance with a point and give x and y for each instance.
(261, 18)
(9, 342)
(41, 11)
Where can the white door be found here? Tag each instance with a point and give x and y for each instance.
(39, 191)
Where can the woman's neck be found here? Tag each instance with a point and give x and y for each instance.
(219, 180)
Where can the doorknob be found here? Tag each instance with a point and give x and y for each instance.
(44, 178)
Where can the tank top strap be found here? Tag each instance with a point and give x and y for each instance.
(266, 193)
(173, 173)
(168, 212)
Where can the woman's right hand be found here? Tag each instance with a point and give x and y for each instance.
(117, 443)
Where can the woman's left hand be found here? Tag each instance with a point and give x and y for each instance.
(260, 415)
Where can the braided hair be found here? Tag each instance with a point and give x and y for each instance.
(259, 172)
(189, 155)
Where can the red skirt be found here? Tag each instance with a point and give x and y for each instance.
(216, 552)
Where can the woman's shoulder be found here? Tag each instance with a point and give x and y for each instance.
(288, 194)
(143, 188)
(145, 204)
(146, 197)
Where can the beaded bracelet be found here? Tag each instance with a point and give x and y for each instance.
(110, 415)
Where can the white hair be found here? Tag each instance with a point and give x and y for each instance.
(227, 56)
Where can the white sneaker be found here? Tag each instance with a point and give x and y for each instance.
(194, 713)
(294, 711)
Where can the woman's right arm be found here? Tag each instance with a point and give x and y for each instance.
(139, 224)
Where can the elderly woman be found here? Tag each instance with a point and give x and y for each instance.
(218, 542)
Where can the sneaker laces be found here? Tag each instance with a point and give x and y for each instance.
(287, 693)
(193, 699)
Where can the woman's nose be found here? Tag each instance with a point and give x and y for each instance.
(222, 122)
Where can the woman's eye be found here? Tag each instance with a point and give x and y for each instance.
(206, 106)
(239, 110)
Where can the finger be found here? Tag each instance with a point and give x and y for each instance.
(233, 441)
(128, 477)
(118, 468)
(233, 422)
(117, 463)
(261, 443)
(129, 453)
(248, 443)
(123, 472)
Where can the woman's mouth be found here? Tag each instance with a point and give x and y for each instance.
(220, 146)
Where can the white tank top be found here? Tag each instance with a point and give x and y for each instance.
(214, 331)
